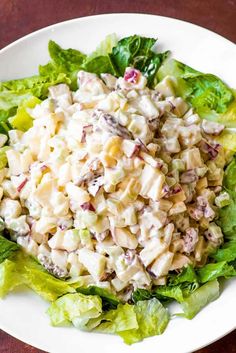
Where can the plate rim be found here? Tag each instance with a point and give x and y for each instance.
(86, 18)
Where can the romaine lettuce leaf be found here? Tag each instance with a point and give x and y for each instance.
(21, 268)
(7, 248)
(22, 120)
(109, 300)
(3, 156)
(75, 308)
(211, 271)
(163, 293)
(227, 215)
(226, 253)
(105, 47)
(187, 275)
(208, 94)
(230, 176)
(115, 321)
(138, 52)
(8, 105)
(35, 85)
(152, 320)
(200, 298)
(9, 277)
(64, 61)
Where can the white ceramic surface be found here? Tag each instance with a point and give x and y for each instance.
(23, 314)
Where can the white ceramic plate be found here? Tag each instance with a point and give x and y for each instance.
(23, 314)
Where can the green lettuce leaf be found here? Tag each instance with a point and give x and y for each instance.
(105, 47)
(227, 218)
(9, 277)
(8, 105)
(227, 215)
(3, 156)
(163, 293)
(226, 253)
(109, 300)
(74, 308)
(115, 321)
(22, 120)
(64, 61)
(7, 248)
(22, 269)
(138, 52)
(208, 94)
(152, 320)
(187, 275)
(230, 176)
(178, 287)
(99, 65)
(200, 298)
(35, 85)
(68, 60)
(212, 271)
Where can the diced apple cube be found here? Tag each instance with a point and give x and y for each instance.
(153, 248)
(162, 264)
(93, 262)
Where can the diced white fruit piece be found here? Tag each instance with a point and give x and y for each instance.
(64, 175)
(177, 208)
(59, 203)
(9, 189)
(153, 248)
(44, 191)
(161, 281)
(118, 284)
(146, 107)
(162, 264)
(10, 208)
(32, 247)
(211, 127)
(149, 159)
(153, 219)
(18, 225)
(189, 135)
(44, 249)
(140, 129)
(179, 261)
(141, 279)
(71, 240)
(127, 274)
(129, 148)
(14, 162)
(166, 87)
(168, 232)
(124, 238)
(59, 258)
(45, 224)
(172, 145)
(76, 268)
(171, 127)
(94, 262)
(77, 194)
(3, 140)
(180, 106)
(152, 181)
(26, 160)
(56, 241)
(192, 158)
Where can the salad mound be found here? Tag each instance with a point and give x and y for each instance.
(117, 175)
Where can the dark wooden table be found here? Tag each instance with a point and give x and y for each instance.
(20, 17)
